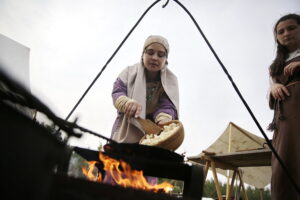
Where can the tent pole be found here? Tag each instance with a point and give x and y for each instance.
(228, 171)
(218, 188)
(243, 186)
(231, 185)
(261, 194)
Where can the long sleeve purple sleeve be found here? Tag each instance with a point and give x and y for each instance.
(119, 89)
(166, 106)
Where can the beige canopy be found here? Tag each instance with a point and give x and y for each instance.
(236, 139)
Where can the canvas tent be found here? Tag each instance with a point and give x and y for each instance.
(236, 139)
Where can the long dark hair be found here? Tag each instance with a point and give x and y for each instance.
(276, 67)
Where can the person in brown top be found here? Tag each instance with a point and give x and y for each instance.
(285, 100)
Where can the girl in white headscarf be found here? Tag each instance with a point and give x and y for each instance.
(147, 89)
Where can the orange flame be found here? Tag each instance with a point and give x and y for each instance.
(125, 177)
(89, 173)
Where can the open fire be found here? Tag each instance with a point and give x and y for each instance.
(120, 173)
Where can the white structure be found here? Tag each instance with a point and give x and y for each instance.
(14, 60)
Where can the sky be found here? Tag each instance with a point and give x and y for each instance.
(71, 40)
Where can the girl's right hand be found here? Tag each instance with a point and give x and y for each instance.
(132, 108)
(279, 91)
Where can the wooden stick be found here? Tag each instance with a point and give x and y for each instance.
(206, 168)
(243, 186)
(216, 180)
(231, 185)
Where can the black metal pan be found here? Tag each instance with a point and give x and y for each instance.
(131, 150)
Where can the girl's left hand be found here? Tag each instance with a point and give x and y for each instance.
(291, 68)
(162, 122)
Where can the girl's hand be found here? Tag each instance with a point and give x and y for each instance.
(291, 68)
(163, 121)
(132, 108)
(279, 91)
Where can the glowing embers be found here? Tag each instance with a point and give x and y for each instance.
(120, 173)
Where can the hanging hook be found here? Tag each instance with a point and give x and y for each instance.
(165, 4)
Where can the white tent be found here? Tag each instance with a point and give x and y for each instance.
(236, 139)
